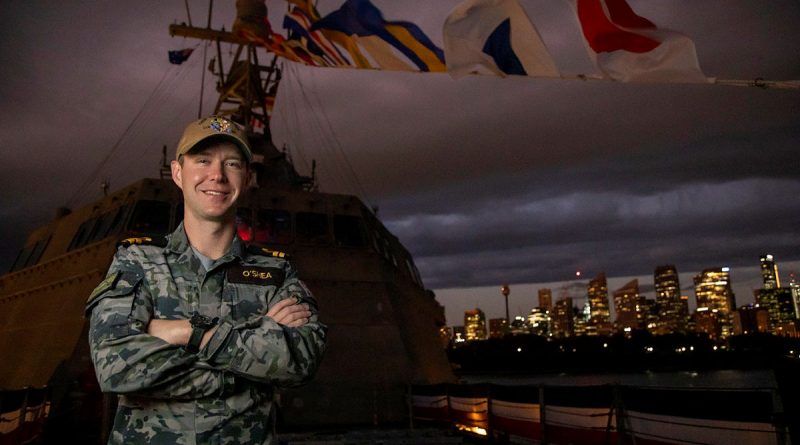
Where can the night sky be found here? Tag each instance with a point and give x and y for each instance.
(486, 180)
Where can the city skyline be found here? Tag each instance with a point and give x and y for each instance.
(524, 296)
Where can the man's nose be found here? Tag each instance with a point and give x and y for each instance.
(218, 172)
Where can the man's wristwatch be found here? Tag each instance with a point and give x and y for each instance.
(200, 325)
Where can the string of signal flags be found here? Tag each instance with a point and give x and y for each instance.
(483, 37)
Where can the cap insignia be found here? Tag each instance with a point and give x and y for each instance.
(221, 126)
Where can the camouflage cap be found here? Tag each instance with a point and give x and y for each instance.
(212, 126)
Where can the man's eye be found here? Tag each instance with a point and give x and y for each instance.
(234, 164)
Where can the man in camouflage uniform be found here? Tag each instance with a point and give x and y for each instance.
(195, 332)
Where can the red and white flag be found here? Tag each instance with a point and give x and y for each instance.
(629, 48)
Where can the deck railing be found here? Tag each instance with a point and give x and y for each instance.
(607, 414)
(22, 414)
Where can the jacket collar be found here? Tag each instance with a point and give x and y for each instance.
(178, 243)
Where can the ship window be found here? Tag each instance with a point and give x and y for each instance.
(22, 258)
(244, 224)
(94, 234)
(387, 252)
(273, 226)
(109, 223)
(118, 221)
(37, 252)
(312, 228)
(349, 231)
(150, 217)
(377, 243)
(82, 235)
(382, 246)
(412, 269)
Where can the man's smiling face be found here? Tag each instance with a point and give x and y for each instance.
(212, 179)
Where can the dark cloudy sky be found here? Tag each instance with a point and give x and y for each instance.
(485, 180)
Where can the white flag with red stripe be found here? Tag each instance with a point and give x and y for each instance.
(629, 48)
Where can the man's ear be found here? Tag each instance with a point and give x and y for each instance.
(176, 167)
(250, 179)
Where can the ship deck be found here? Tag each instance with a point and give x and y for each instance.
(407, 436)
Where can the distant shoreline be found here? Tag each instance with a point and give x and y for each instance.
(526, 355)
(722, 378)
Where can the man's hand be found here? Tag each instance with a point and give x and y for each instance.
(287, 312)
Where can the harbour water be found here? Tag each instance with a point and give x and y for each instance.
(723, 379)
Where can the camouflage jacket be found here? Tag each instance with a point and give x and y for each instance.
(224, 393)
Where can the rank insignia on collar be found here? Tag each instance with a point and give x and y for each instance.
(159, 241)
(247, 274)
(256, 250)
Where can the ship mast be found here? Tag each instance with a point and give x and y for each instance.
(246, 91)
(246, 86)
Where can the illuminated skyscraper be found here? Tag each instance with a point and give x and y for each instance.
(750, 320)
(628, 304)
(475, 325)
(713, 291)
(673, 309)
(539, 321)
(598, 298)
(795, 287)
(779, 303)
(519, 326)
(769, 272)
(498, 327)
(599, 313)
(715, 302)
(647, 315)
(562, 318)
(546, 299)
(580, 319)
